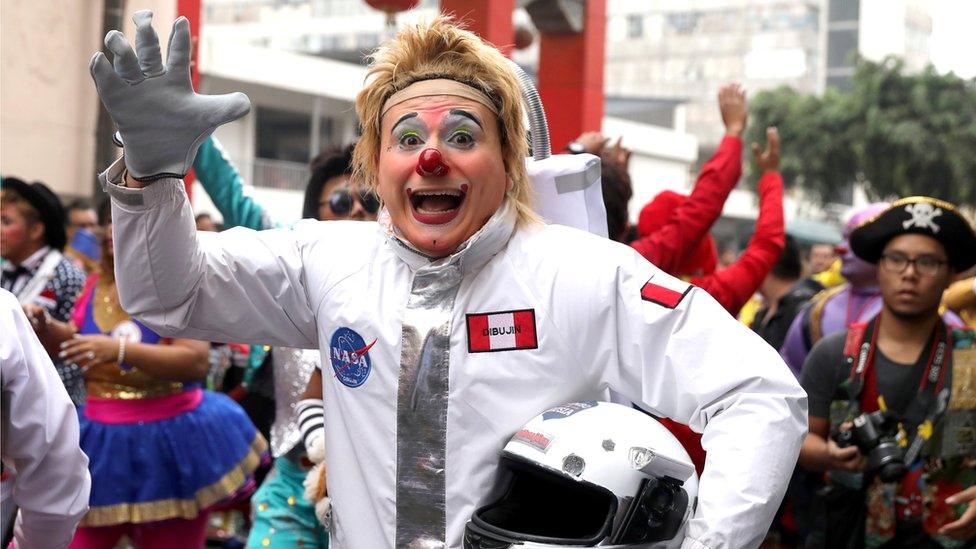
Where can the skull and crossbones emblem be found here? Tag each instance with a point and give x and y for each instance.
(923, 215)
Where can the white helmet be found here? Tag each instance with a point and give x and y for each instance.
(589, 474)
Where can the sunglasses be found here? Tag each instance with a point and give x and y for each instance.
(341, 201)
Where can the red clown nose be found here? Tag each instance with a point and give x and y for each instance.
(430, 164)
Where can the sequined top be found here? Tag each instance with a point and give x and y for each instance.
(108, 380)
(292, 370)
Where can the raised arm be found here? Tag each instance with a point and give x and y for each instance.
(668, 247)
(735, 284)
(238, 285)
(223, 183)
(234, 286)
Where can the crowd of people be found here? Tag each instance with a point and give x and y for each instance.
(353, 379)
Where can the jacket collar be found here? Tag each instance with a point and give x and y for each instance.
(473, 254)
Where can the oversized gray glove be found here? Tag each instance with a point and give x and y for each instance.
(161, 119)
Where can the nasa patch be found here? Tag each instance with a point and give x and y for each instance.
(567, 410)
(350, 359)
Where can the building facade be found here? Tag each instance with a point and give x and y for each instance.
(687, 50)
(875, 29)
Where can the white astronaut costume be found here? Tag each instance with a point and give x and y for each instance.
(435, 364)
(40, 438)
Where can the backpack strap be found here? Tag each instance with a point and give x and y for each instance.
(814, 332)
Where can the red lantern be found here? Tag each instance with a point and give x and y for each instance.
(392, 6)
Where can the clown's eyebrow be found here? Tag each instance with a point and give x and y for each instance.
(404, 118)
(466, 114)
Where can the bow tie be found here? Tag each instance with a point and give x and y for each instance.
(10, 275)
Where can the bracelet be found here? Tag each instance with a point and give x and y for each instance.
(122, 355)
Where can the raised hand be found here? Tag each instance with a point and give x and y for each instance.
(161, 119)
(732, 104)
(593, 142)
(620, 154)
(768, 159)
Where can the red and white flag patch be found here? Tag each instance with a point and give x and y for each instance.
(666, 292)
(502, 331)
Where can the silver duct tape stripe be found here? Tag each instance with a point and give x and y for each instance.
(422, 396)
(571, 182)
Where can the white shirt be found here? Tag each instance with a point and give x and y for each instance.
(40, 437)
(594, 332)
(33, 261)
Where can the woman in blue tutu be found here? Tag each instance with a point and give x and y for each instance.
(162, 450)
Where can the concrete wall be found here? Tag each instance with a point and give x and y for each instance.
(48, 105)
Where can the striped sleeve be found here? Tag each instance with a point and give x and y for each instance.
(311, 420)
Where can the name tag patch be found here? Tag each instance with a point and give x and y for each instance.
(502, 331)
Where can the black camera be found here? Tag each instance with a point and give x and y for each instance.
(874, 434)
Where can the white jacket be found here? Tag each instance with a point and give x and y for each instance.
(589, 331)
(40, 437)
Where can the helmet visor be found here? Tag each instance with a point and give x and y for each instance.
(544, 506)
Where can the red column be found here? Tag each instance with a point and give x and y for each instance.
(489, 19)
(571, 77)
(191, 9)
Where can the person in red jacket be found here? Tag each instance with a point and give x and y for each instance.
(674, 228)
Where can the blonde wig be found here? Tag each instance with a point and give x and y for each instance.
(441, 49)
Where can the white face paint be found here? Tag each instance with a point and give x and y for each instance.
(437, 213)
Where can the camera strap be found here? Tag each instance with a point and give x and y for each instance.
(932, 397)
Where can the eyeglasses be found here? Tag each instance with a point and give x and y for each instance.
(341, 201)
(924, 265)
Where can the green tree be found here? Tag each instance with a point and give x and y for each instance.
(899, 134)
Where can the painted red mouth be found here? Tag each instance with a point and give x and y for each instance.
(438, 206)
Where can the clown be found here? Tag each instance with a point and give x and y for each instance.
(458, 315)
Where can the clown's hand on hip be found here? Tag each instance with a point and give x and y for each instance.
(162, 121)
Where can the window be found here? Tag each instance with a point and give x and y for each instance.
(840, 83)
(635, 25)
(327, 133)
(684, 22)
(843, 10)
(282, 135)
(841, 47)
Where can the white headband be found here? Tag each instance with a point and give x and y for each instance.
(438, 86)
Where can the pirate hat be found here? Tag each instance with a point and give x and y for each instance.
(48, 206)
(918, 215)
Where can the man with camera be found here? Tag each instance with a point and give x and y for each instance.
(893, 401)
